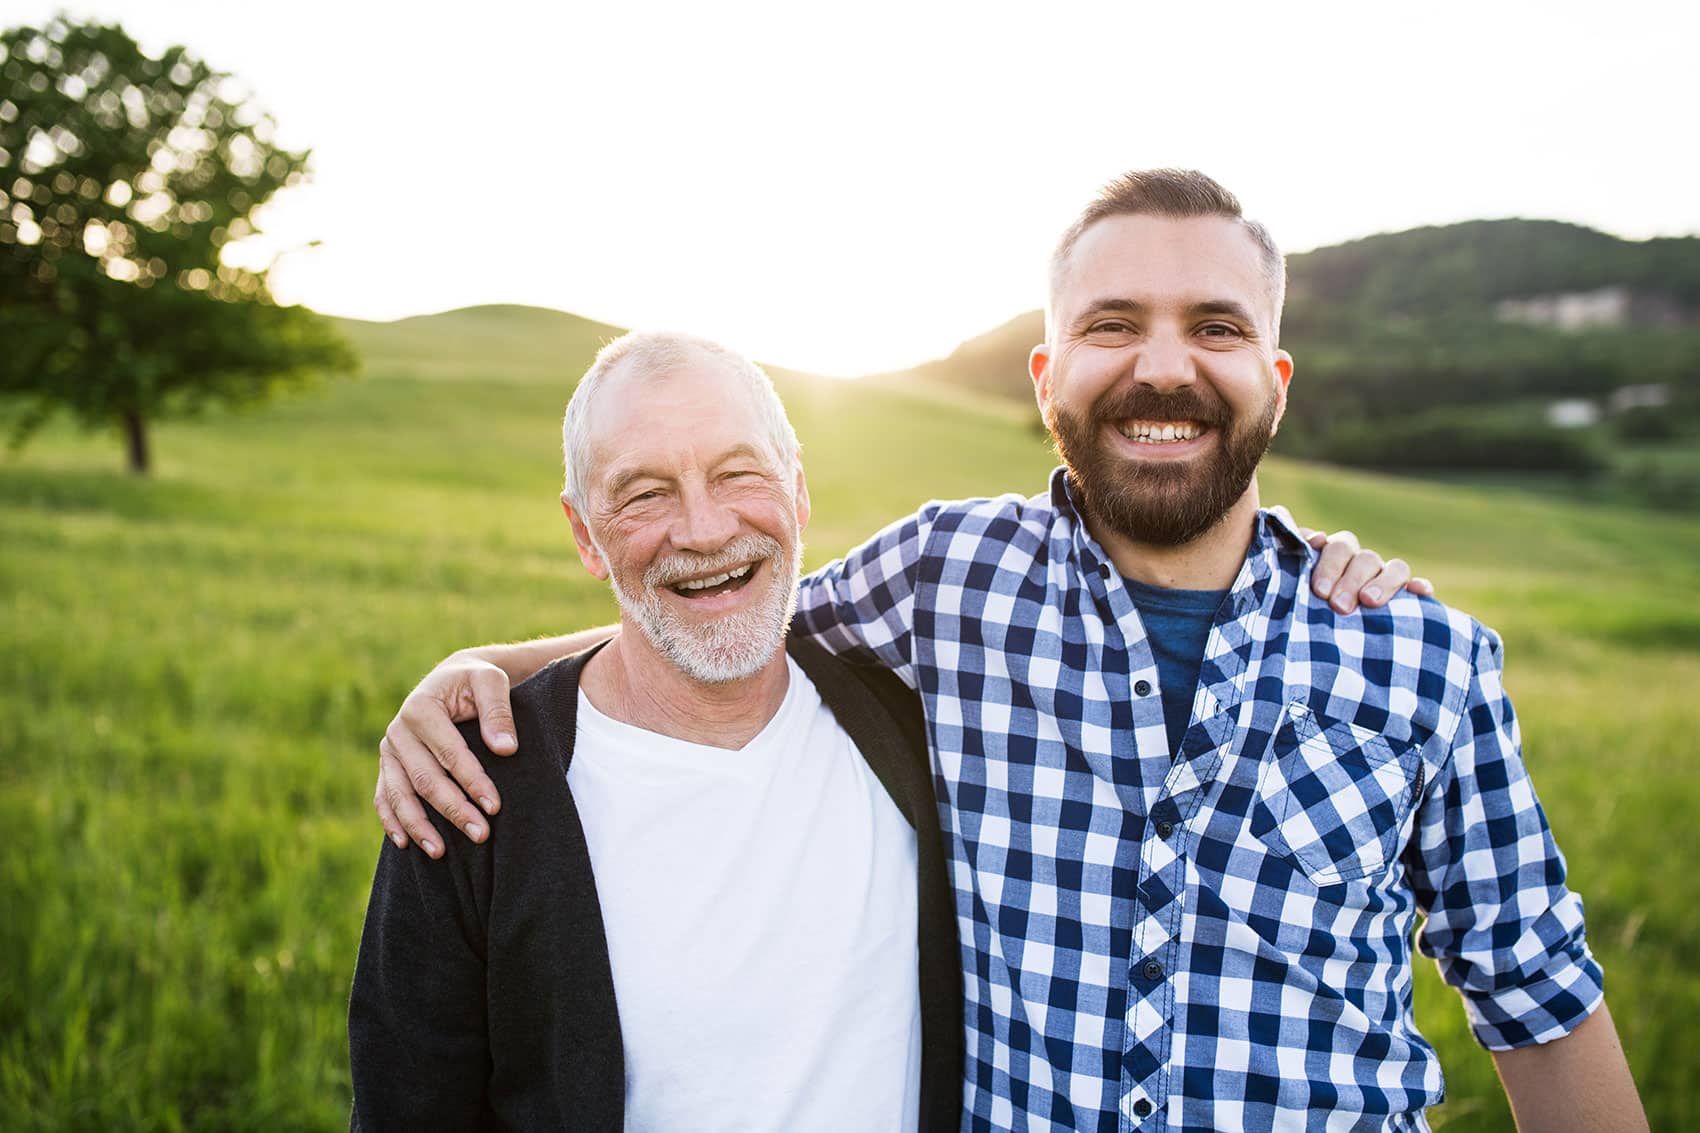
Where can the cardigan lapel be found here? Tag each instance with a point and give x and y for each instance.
(870, 725)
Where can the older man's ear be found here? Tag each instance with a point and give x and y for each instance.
(803, 506)
(587, 552)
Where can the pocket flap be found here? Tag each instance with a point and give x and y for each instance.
(1338, 794)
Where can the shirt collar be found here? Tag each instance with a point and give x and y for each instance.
(1095, 563)
(1272, 538)
(1279, 534)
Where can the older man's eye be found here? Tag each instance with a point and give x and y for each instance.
(1219, 330)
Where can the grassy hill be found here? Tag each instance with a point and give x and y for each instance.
(532, 343)
(199, 666)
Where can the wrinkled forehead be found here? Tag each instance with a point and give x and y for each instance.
(1161, 261)
(693, 381)
(695, 407)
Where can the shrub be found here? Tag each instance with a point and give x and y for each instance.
(1452, 439)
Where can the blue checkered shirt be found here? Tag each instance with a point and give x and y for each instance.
(1219, 937)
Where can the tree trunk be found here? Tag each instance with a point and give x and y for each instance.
(136, 433)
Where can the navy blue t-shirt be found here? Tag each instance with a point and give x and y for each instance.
(1178, 624)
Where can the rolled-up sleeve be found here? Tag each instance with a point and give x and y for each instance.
(862, 606)
(1501, 923)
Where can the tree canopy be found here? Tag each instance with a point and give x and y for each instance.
(124, 179)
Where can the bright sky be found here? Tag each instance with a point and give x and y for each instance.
(853, 187)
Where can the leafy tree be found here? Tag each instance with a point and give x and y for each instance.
(123, 179)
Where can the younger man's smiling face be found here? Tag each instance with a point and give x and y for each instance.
(1161, 383)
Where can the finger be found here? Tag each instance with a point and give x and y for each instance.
(495, 712)
(1336, 556)
(404, 804)
(1420, 585)
(427, 774)
(1362, 567)
(422, 737)
(381, 803)
(1380, 588)
(460, 763)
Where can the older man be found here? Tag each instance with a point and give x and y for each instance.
(1193, 810)
(706, 906)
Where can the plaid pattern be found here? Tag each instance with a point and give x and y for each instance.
(1217, 938)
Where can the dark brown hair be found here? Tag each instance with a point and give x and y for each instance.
(1174, 193)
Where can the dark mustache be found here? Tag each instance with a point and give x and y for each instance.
(1147, 404)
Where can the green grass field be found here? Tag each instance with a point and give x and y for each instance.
(197, 668)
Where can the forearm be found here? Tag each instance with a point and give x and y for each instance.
(1579, 1082)
(520, 659)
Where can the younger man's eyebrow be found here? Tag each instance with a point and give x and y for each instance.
(1111, 305)
(1229, 307)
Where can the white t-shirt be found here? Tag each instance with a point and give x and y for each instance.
(761, 919)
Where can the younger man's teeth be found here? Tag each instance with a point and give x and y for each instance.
(1160, 430)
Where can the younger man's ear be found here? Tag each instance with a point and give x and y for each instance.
(1039, 369)
(1284, 378)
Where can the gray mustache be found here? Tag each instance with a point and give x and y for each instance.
(687, 564)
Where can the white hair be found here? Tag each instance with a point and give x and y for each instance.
(654, 354)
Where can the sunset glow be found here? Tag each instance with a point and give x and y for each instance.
(855, 189)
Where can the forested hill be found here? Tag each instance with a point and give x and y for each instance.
(1525, 345)
(1462, 269)
(1457, 273)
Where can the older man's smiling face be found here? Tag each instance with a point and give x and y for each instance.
(694, 520)
(1161, 383)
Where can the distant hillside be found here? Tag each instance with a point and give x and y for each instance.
(1460, 269)
(531, 342)
(1509, 346)
(1450, 277)
(1514, 346)
(991, 363)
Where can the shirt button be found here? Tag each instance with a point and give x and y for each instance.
(1142, 1108)
(1153, 970)
(1142, 688)
(1165, 828)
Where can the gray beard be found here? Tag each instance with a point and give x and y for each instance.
(730, 648)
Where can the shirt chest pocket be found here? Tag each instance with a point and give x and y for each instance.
(1333, 797)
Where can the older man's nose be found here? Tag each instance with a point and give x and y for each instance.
(704, 523)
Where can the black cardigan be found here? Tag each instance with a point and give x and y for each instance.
(483, 997)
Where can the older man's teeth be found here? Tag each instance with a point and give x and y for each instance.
(1160, 432)
(716, 580)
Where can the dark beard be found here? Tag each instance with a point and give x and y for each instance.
(1166, 504)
